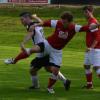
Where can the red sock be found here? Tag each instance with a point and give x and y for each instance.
(51, 82)
(20, 56)
(89, 79)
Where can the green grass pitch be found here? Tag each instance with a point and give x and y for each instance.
(15, 79)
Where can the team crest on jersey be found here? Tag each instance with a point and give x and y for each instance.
(63, 35)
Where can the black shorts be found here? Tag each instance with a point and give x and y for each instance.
(41, 45)
(40, 62)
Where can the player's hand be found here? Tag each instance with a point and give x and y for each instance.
(34, 16)
(22, 47)
(88, 49)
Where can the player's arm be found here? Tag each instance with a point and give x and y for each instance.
(85, 28)
(27, 37)
(48, 23)
(34, 16)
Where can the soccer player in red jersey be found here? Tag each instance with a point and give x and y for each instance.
(92, 55)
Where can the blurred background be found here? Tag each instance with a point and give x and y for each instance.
(97, 2)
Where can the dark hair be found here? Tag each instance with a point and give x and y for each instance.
(89, 8)
(67, 15)
(26, 14)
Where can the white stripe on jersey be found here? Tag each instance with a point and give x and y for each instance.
(77, 28)
(53, 23)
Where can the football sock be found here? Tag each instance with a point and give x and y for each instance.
(61, 77)
(20, 56)
(89, 77)
(35, 81)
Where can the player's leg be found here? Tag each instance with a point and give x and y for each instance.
(88, 71)
(26, 53)
(22, 55)
(66, 82)
(36, 49)
(35, 66)
(88, 74)
(53, 78)
(55, 62)
(34, 78)
(96, 61)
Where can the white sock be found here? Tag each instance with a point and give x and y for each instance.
(28, 51)
(61, 77)
(35, 81)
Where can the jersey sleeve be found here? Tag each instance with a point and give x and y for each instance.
(84, 28)
(50, 23)
(79, 28)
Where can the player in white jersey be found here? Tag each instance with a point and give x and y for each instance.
(38, 38)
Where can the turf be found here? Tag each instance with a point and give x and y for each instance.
(15, 79)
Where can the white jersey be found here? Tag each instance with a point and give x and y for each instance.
(38, 35)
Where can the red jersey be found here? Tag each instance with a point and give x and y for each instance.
(61, 35)
(93, 34)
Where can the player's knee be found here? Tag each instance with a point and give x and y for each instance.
(53, 76)
(87, 66)
(54, 70)
(35, 49)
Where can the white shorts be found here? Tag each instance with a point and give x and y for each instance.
(55, 55)
(92, 57)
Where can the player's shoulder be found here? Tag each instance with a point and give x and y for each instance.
(58, 22)
(92, 20)
(29, 26)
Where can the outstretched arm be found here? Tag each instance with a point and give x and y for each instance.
(48, 23)
(34, 16)
(85, 28)
(27, 37)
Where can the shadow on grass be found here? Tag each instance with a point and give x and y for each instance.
(21, 92)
